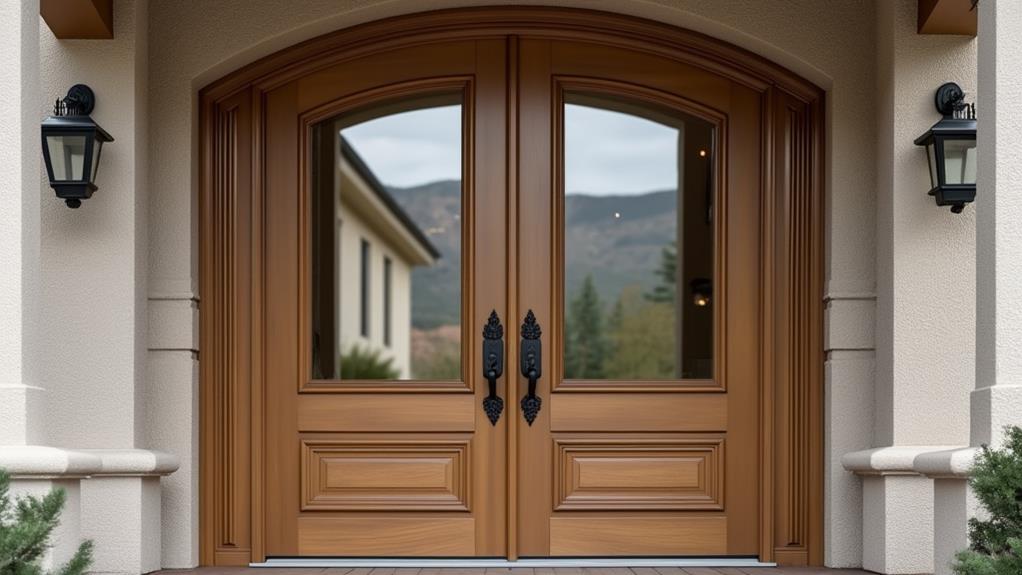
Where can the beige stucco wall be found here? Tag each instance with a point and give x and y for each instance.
(138, 236)
(926, 257)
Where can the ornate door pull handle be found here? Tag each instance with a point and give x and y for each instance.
(531, 364)
(493, 365)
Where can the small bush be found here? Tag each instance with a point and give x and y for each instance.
(362, 363)
(25, 529)
(996, 543)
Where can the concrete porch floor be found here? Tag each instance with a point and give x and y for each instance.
(519, 571)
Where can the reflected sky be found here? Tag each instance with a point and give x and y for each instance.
(605, 152)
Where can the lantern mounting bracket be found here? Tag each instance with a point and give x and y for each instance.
(79, 101)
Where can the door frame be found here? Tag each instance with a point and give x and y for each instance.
(230, 206)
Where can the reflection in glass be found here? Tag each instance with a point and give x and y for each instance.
(638, 242)
(386, 243)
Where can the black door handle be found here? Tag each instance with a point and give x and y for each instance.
(493, 365)
(531, 364)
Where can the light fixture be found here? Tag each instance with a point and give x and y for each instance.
(702, 292)
(951, 149)
(72, 143)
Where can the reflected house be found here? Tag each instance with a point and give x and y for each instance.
(365, 298)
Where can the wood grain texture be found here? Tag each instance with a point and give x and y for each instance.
(385, 474)
(386, 412)
(798, 345)
(674, 474)
(387, 536)
(610, 536)
(223, 329)
(618, 412)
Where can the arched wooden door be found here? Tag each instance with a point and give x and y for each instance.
(596, 334)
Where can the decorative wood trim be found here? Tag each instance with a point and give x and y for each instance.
(947, 17)
(576, 488)
(225, 325)
(231, 386)
(404, 464)
(797, 292)
(79, 19)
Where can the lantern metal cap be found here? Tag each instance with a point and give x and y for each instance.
(77, 124)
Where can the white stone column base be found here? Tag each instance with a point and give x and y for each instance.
(897, 524)
(897, 509)
(122, 515)
(113, 499)
(953, 502)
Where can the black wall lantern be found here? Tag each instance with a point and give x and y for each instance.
(951, 149)
(72, 143)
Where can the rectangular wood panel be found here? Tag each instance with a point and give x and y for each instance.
(387, 536)
(581, 535)
(383, 412)
(399, 475)
(639, 474)
(638, 412)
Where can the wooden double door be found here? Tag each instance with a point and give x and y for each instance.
(568, 337)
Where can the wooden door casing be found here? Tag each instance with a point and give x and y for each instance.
(235, 438)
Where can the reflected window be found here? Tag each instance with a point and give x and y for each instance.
(386, 286)
(638, 242)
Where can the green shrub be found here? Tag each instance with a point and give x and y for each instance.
(996, 543)
(25, 529)
(361, 363)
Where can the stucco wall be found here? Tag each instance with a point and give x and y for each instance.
(96, 321)
(926, 257)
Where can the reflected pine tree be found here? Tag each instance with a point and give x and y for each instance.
(584, 339)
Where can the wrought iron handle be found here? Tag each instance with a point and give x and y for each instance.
(493, 365)
(531, 364)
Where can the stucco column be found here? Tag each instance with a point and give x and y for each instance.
(921, 387)
(997, 399)
(94, 295)
(20, 393)
(22, 418)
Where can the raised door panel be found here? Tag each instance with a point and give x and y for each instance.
(389, 474)
(675, 474)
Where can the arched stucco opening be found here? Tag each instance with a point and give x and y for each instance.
(830, 46)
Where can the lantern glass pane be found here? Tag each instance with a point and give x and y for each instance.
(95, 159)
(960, 161)
(67, 157)
(931, 159)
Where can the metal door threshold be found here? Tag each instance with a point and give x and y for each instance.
(538, 562)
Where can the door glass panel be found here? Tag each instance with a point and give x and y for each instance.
(386, 242)
(638, 242)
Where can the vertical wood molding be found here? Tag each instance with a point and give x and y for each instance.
(798, 332)
(225, 284)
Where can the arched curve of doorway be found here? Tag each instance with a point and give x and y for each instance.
(765, 390)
